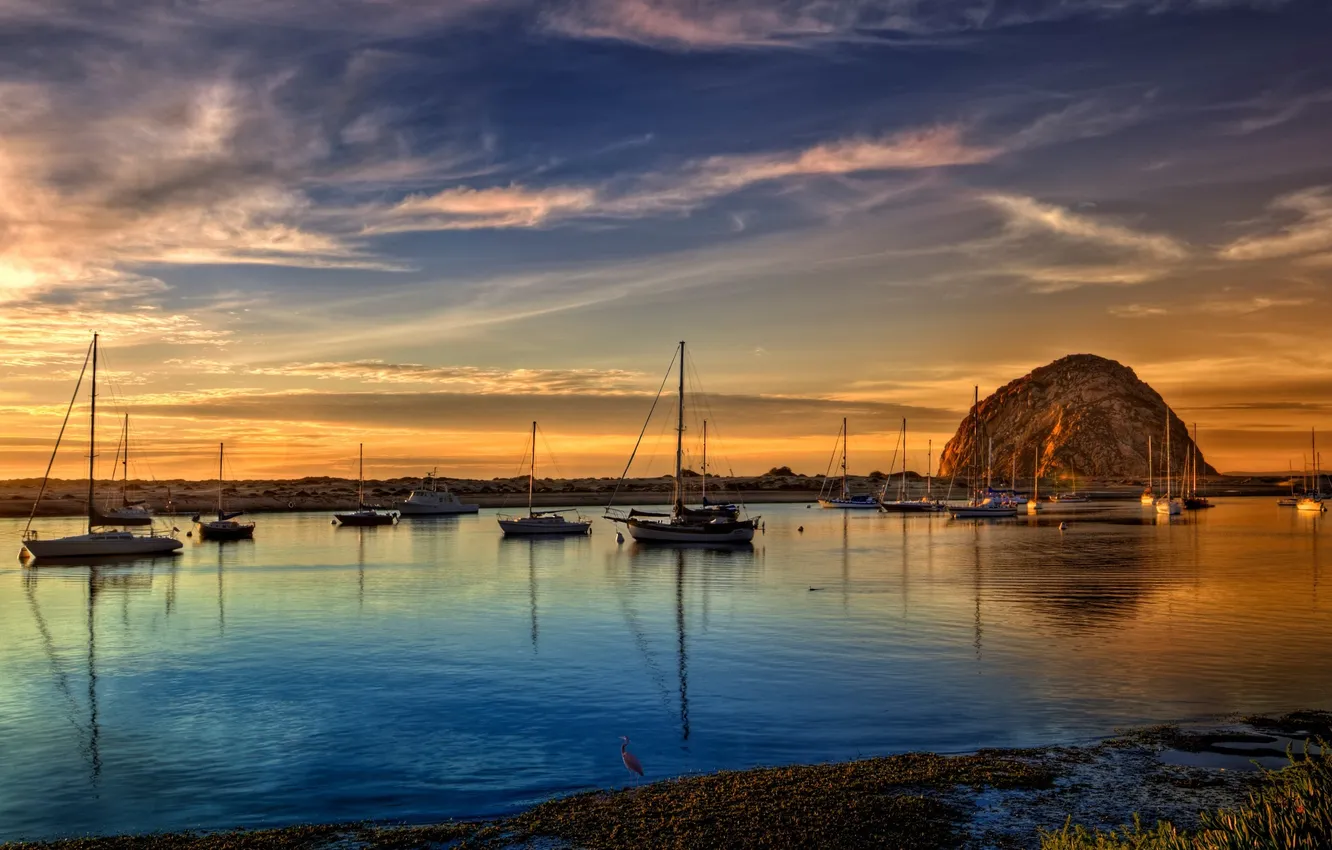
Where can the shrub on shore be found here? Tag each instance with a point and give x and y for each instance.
(1291, 808)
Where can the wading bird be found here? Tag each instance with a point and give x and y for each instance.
(630, 760)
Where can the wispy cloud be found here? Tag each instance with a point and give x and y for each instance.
(1138, 311)
(1028, 215)
(1309, 233)
(470, 379)
(729, 24)
(681, 189)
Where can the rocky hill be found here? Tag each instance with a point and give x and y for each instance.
(1081, 413)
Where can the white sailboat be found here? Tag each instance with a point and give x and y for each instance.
(128, 512)
(684, 524)
(225, 526)
(1072, 496)
(1148, 497)
(1034, 503)
(430, 500)
(1312, 500)
(364, 515)
(540, 522)
(844, 500)
(1168, 504)
(980, 506)
(95, 543)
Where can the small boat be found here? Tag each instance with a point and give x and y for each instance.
(1194, 499)
(683, 524)
(902, 505)
(540, 522)
(130, 512)
(364, 515)
(225, 526)
(980, 505)
(1312, 500)
(430, 500)
(1034, 504)
(1148, 497)
(95, 543)
(1168, 504)
(844, 500)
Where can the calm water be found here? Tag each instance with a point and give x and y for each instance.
(434, 669)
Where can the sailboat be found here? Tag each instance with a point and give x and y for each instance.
(723, 509)
(430, 500)
(129, 513)
(1072, 496)
(844, 499)
(683, 524)
(1148, 498)
(1312, 500)
(1194, 500)
(1292, 500)
(95, 543)
(541, 522)
(1168, 504)
(1034, 503)
(903, 505)
(364, 515)
(980, 506)
(225, 526)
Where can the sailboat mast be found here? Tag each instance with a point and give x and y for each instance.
(844, 438)
(92, 433)
(929, 469)
(1036, 474)
(360, 475)
(705, 461)
(901, 486)
(1167, 463)
(124, 465)
(975, 445)
(531, 471)
(679, 438)
(1150, 481)
(219, 481)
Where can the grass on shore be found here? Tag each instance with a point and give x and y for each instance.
(1290, 810)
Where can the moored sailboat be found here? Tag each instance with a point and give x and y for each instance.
(95, 543)
(1312, 500)
(903, 505)
(130, 512)
(225, 526)
(980, 506)
(1194, 499)
(844, 500)
(1148, 497)
(1168, 505)
(683, 524)
(364, 515)
(540, 522)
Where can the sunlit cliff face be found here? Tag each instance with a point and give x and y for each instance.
(303, 226)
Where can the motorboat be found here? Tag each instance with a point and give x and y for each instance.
(432, 499)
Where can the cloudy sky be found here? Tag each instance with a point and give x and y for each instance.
(420, 224)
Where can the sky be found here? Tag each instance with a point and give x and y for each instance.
(301, 226)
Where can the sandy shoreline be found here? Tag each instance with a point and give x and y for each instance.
(67, 497)
(991, 798)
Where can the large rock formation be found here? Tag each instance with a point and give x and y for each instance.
(1083, 414)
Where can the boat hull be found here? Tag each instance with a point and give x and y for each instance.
(848, 505)
(409, 509)
(912, 507)
(359, 520)
(1310, 506)
(982, 512)
(101, 544)
(664, 532)
(1169, 507)
(223, 531)
(531, 528)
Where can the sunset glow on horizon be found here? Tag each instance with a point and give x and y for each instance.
(421, 226)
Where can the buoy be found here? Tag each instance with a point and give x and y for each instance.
(189, 534)
(801, 529)
(619, 537)
(332, 522)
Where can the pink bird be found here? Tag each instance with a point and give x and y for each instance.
(630, 760)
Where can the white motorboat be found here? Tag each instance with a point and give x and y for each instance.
(94, 543)
(431, 500)
(718, 524)
(540, 522)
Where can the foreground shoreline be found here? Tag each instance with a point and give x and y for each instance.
(992, 798)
